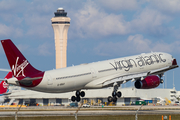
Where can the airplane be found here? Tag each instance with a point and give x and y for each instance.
(145, 70)
(4, 88)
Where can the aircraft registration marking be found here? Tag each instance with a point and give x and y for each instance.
(60, 84)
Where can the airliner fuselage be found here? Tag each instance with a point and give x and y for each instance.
(90, 76)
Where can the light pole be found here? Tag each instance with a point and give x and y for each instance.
(136, 117)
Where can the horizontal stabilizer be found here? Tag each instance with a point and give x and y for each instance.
(6, 70)
(7, 93)
(30, 79)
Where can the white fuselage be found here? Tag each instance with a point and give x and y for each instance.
(93, 75)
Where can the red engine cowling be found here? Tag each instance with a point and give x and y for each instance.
(149, 82)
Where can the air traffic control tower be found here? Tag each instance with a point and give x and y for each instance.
(60, 24)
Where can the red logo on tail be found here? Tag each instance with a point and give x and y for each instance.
(5, 85)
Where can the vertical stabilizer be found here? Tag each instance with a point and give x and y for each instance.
(3, 87)
(19, 65)
(9, 75)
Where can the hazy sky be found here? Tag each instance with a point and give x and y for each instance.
(99, 30)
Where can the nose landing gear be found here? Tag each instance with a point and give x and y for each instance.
(78, 96)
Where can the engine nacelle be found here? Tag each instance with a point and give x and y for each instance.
(152, 81)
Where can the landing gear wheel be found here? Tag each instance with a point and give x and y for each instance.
(114, 99)
(78, 98)
(110, 99)
(77, 93)
(118, 94)
(82, 93)
(73, 98)
(113, 93)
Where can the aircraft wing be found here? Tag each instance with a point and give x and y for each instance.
(162, 70)
(123, 79)
(120, 79)
(108, 81)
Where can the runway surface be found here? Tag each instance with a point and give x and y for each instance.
(97, 111)
(88, 113)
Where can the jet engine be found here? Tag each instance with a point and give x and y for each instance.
(151, 81)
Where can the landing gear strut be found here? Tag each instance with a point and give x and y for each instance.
(115, 94)
(78, 96)
(161, 80)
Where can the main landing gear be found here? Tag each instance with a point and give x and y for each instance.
(78, 96)
(115, 94)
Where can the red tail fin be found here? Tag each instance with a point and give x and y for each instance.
(19, 65)
(4, 85)
(9, 75)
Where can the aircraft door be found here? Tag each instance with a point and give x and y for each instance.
(93, 72)
(49, 80)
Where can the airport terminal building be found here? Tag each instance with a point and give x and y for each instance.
(93, 97)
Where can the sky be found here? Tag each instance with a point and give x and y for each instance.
(99, 30)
